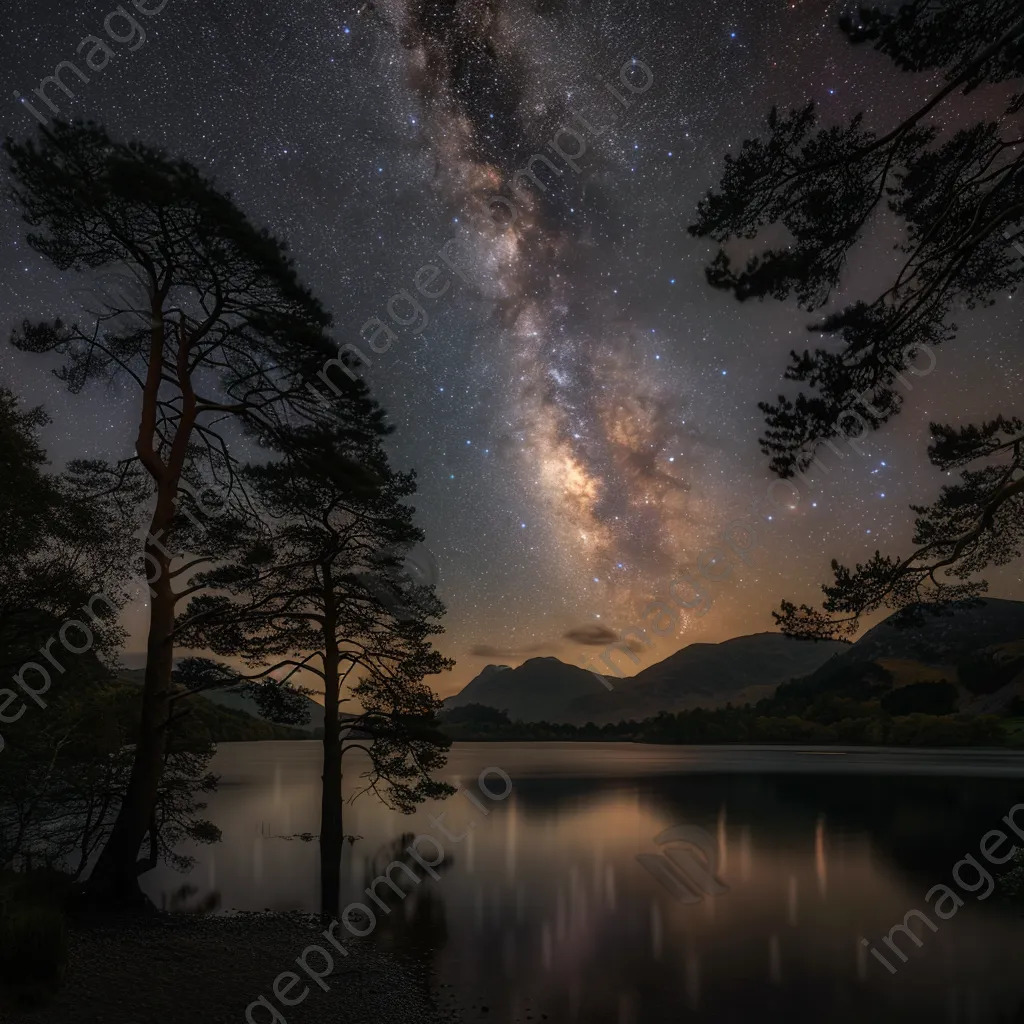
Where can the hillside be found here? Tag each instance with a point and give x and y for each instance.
(741, 670)
(955, 680)
(228, 717)
(969, 660)
(235, 701)
(938, 639)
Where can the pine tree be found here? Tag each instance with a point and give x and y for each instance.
(217, 334)
(959, 197)
(324, 591)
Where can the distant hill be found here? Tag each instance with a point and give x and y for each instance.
(937, 639)
(743, 669)
(234, 700)
(228, 725)
(707, 675)
(970, 659)
(237, 705)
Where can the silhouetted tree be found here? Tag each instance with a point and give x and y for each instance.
(322, 591)
(62, 541)
(65, 765)
(216, 327)
(960, 199)
(973, 524)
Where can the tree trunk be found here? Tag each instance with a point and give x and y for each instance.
(331, 836)
(115, 877)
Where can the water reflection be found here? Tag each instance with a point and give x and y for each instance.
(542, 907)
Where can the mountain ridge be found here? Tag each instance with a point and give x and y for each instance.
(752, 667)
(548, 689)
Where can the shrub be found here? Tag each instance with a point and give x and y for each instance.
(1012, 883)
(33, 945)
(33, 932)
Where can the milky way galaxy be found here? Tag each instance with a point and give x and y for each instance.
(579, 405)
(520, 153)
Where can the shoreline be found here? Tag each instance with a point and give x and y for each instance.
(130, 969)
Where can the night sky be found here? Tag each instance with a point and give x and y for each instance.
(579, 405)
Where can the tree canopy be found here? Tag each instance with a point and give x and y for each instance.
(790, 208)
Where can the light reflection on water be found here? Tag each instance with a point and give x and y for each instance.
(542, 908)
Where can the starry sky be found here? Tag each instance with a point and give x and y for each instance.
(579, 405)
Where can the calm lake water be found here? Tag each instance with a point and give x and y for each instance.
(543, 908)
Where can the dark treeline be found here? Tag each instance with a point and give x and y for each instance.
(865, 726)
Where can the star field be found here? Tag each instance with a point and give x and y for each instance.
(579, 404)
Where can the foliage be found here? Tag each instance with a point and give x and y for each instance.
(987, 671)
(217, 335)
(750, 724)
(62, 540)
(33, 945)
(475, 714)
(1012, 883)
(33, 931)
(64, 771)
(798, 201)
(973, 524)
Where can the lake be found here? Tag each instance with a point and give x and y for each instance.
(541, 909)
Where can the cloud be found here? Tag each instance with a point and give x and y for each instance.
(591, 636)
(599, 636)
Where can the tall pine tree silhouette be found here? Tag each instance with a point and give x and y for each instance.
(219, 337)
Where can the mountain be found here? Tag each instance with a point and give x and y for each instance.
(706, 675)
(743, 669)
(539, 690)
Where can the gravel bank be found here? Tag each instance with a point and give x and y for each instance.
(209, 969)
